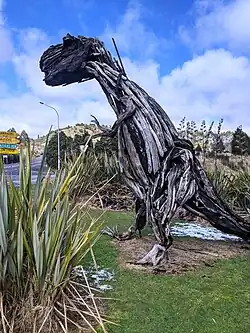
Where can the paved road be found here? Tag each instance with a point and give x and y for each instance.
(12, 170)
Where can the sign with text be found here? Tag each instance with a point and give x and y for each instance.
(9, 140)
(8, 146)
(6, 151)
(8, 143)
(9, 134)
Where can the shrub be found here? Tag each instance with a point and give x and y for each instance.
(234, 188)
(52, 152)
(42, 238)
(240, 142)
(92, 173)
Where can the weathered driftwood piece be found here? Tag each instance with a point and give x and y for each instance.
(160, 168)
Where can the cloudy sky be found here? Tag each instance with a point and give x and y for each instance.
(192, 56)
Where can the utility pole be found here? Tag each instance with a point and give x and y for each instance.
(58, 134)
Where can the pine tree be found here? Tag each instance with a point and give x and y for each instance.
(240, 142)
(65, 149)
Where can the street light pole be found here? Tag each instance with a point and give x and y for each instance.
(58, 135)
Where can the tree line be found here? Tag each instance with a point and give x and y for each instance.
(70, 147)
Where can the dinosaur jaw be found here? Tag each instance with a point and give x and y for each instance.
(51, 81)
(64, 78)
(58, 80)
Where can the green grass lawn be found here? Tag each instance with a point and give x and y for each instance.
(211, 300)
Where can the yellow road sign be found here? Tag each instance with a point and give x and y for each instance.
(5, 151)
(9, 140)
(9, 134)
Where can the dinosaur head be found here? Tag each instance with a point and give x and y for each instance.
(69, 61)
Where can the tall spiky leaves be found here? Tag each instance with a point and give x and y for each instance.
(42, 238)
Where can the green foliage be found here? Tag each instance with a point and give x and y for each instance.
(42, 238)
(182, 128)
(66, 145)
(205, 138)
(108, 145)
(69, 147)
(218, 146)
(206, 135)
(234, 188)
(240, 142)
(78, 141)
(193, 133)
(94, 169)
(200, 138)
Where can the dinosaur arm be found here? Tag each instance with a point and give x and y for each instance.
(130, 111)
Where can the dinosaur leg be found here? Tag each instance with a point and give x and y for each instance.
(160, 226)
(139, 222)
(159, 252)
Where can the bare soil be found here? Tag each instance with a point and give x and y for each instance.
(184, 255)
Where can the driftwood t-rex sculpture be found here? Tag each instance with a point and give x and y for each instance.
(160, 168)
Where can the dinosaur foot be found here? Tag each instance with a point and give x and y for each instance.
(155, 256)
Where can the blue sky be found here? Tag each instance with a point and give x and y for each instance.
(92, 17)
(193, 56)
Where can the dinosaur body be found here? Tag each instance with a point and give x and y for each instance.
(160, 168)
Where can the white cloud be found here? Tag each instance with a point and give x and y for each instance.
(219, 22)
(209, 86)
(212, 85)
(132, 36)
(98, 108)
(23, 112)
(6, 45)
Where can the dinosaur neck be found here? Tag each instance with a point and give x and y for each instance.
(113, 84)
(119, 89)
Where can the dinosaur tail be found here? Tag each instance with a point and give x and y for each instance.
(207, 204)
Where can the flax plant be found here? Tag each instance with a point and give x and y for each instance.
(42, 238)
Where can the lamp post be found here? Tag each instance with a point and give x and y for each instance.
(58, 135)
